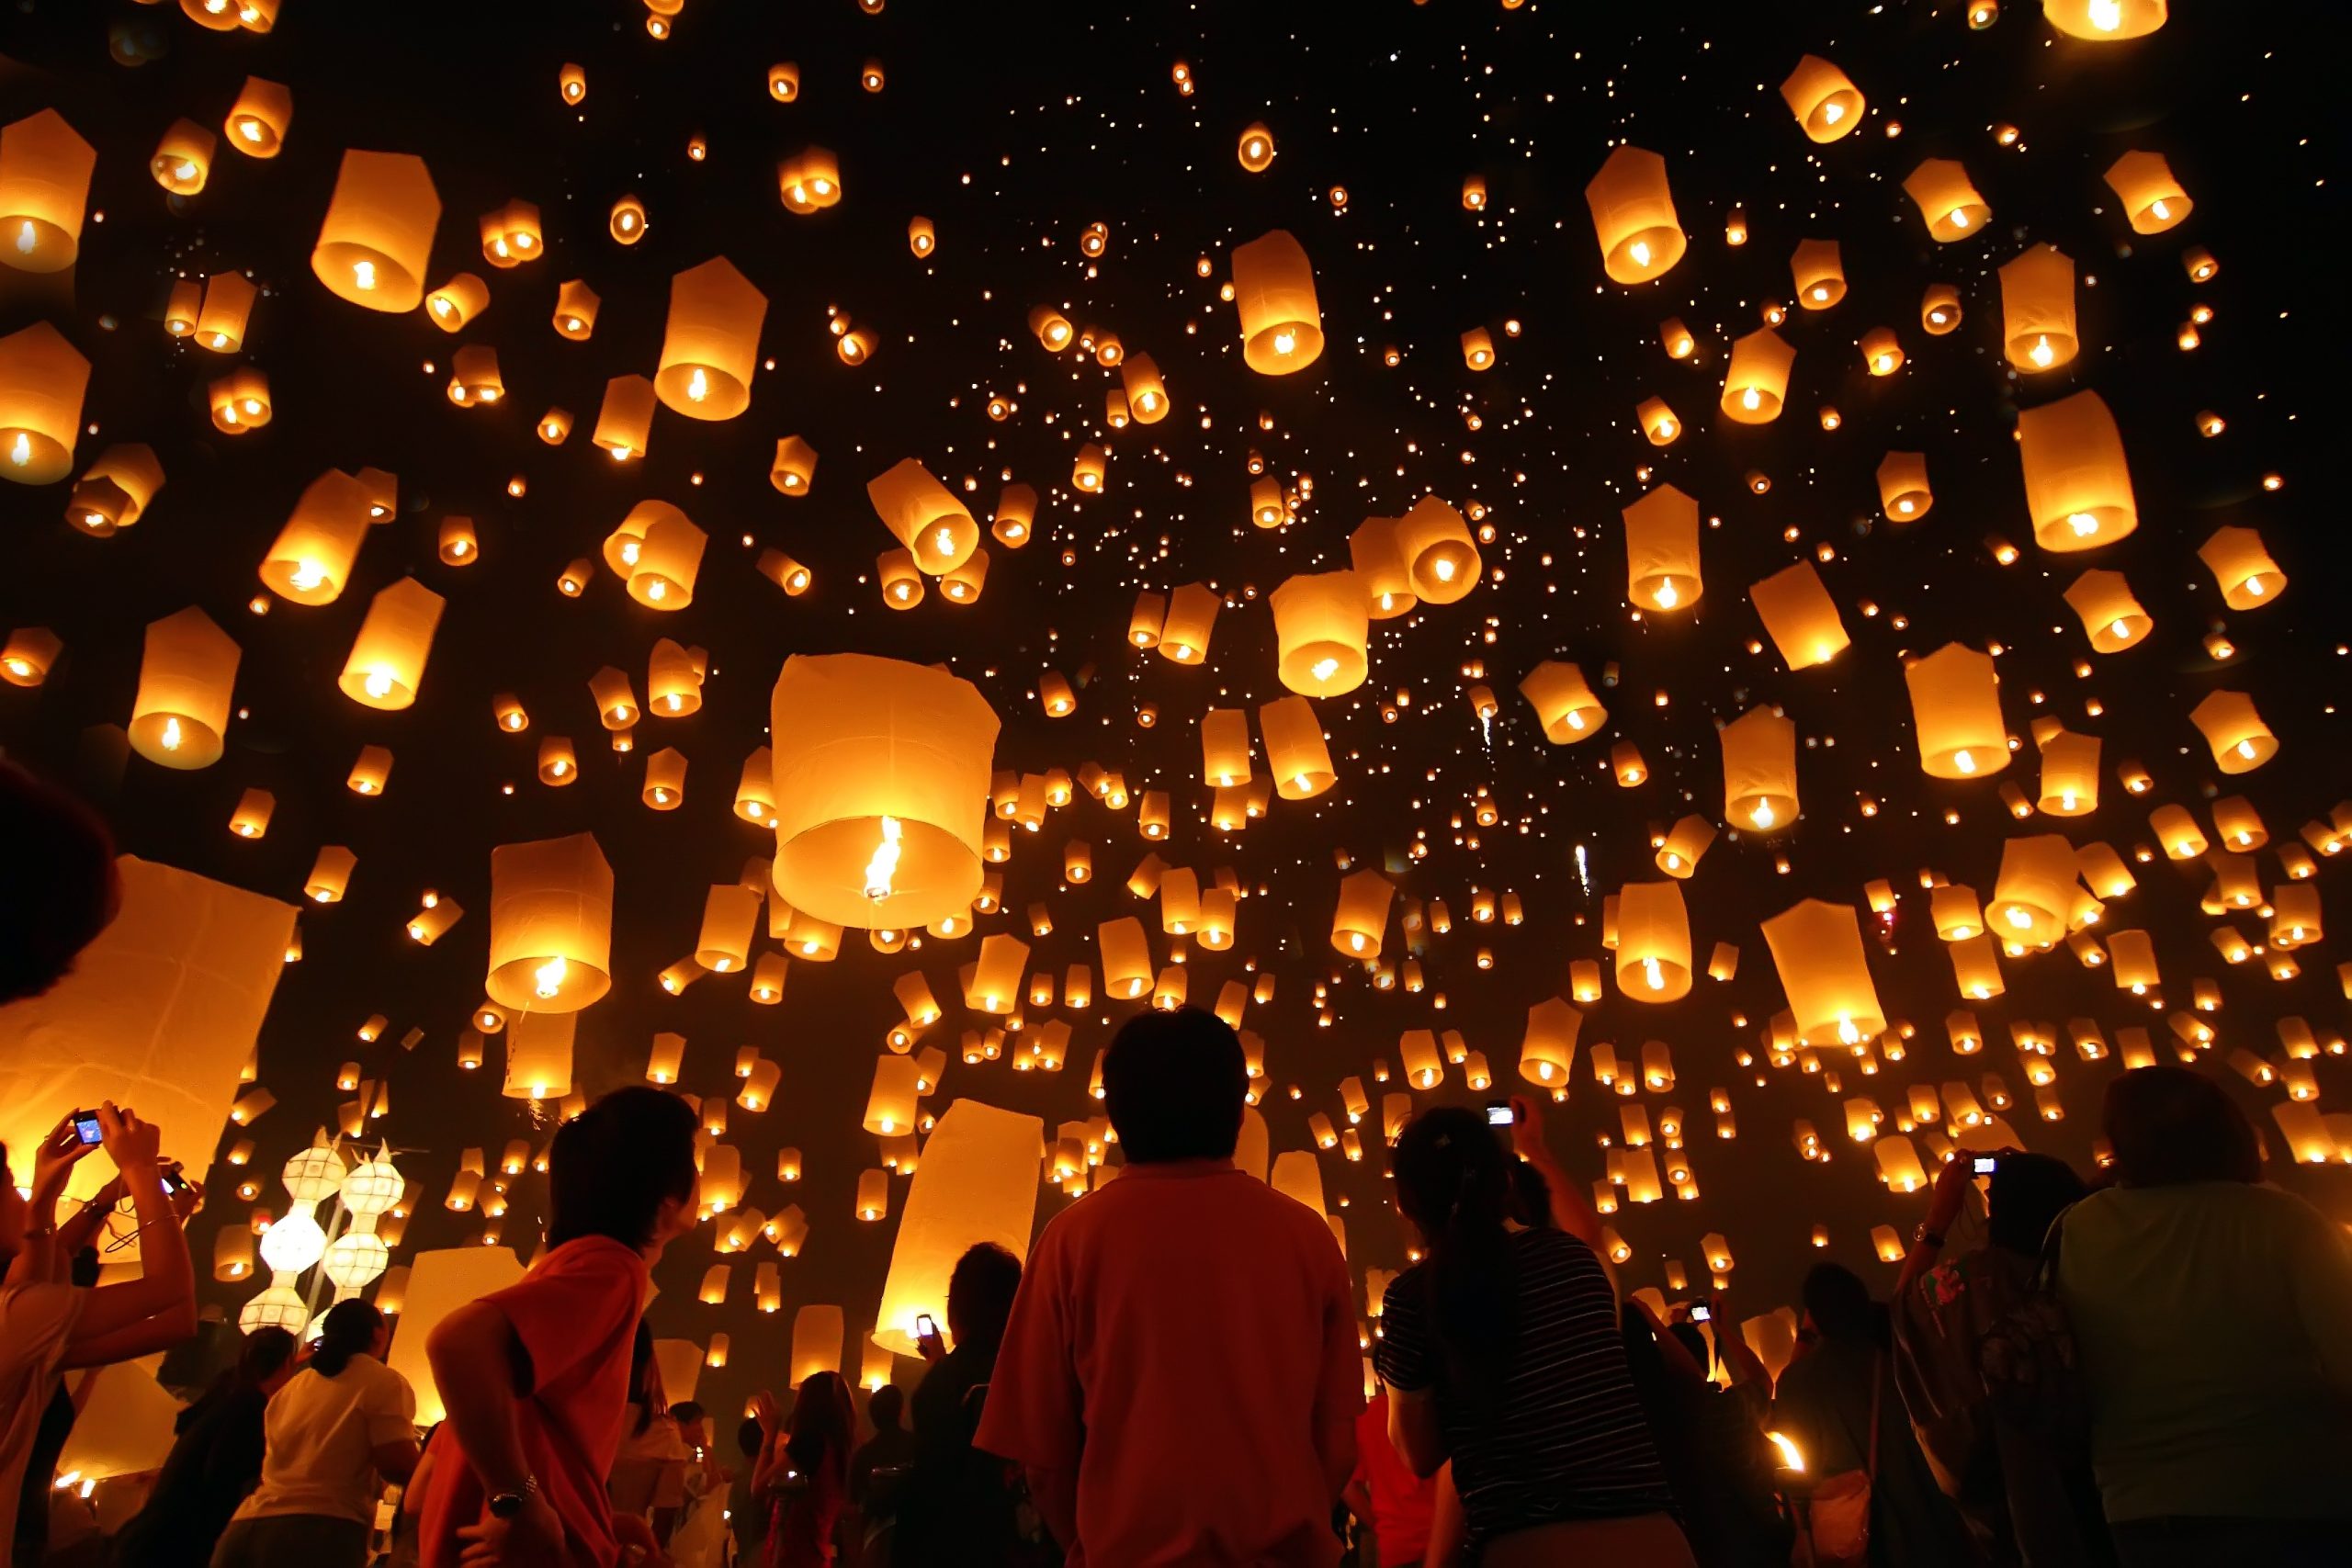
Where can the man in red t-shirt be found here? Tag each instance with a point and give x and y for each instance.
(536, 1376)
(1181, 1375)
(1392, 1502)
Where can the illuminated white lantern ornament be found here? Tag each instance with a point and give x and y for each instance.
(294, 1242)
(387, 662)
(42, 378)
(186, 675)
(1662, 550)
(358, 1258)
(1956, 713)
(1321, 621)
(1825, 102)
(1439, 555)
(1563, 704)
(881, 787)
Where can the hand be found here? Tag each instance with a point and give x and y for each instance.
(764, 1412)
(532, 1539)
(60, 1151)
(1527, 1131)
(186, 1202)
(1952, 1189)
(131, 1144)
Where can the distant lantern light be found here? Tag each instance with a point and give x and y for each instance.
(1256, 149)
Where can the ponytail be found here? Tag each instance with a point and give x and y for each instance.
(349, 1329)
(1453, 1182)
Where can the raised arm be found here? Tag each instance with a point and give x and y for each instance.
(1571, 1209)
(1943, 1212)
(158, 1309)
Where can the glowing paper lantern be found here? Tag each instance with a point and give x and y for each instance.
(1360, 920)
(1956, 710)
(311, 558)
(1662, 550)
(2153, 200)
(2038, 309)
(2077, 486)
(1948, 203)
(625, 419)
(2248, 578)
(1321, 621)
(1826, 103)
(185, 674)
(881, 785)
(1378, 558)
(378, 236)
(183, 159)
(2106, 21)
(42, 382)
(1652, 942)
(1273, 287)
(387, 660)
(1296, 752)
(711, 346)
(115, 491)
(978, 1183)
(795, 468)
(455, 303)
(550, 925)
(809, 181)
(1757, 379)
(1632, 216)
(257, 122)
(28, 654)
(45, 169)
(1563, 705)
(2111, 617)
(1800, 616)
(2035, 891)
(668, 556)
(1817, 948)
(2241, 742)
(925, 516)
(1760, 771)
(1819, 273)
(1439, 554)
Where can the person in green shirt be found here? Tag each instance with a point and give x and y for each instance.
(2213, 1319)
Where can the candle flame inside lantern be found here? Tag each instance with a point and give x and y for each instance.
(549, 976)
(885, 863)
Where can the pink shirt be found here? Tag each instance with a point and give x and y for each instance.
(1403, 1504)
(1184, 1342)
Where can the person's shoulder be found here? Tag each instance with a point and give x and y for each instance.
(2288, 1210)
(1552, 1248)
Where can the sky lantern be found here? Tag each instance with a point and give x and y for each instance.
(1903, 490)
(2038, 309)
(2153, 200)
(2069, 775)
(1320, 624)
(550, 925)
(387, 660)
(185, 674)
(2241, 742)
(1657, 421)
(115, 491)
(1662, 550)
(1377, 554)
(1273, 287)
(2077, 486)
(2035, 891)
(1798, 615)
(455, 303)
(811, 180)
(1956, 712)
(1192, 617)
(183, 158)
(1760, 771)
(2106, 21)
(1256, 150)
(1147, 396)
(1948, 203)
(576, 305)
(1826, 103)
(1632, 216)
(311, 558)
(257, 121)
(923, 515)
(1817, 948)
(881, 785)
(978, 1183)
(661, 569)
(45, 169)
(1296, 753)
(377, 238)
(710, 347)
(1360, 920)
(627, 221)
(1652, 942)
(1686, 841)
(2111, 617)
(2248, 578)
(1440, 555)
(1563, 705)
(1819, 271)
(1757, 378)
(1940, 309)
(625, 420)
(42, 378)
(538, 1055)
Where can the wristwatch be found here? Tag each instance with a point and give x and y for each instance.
(1923, 1236)
(506, 1505)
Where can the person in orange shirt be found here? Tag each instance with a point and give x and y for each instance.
(535, 1377)
(1395, 1505)
(1180, 1378)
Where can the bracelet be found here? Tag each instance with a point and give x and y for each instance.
(1923, 1236)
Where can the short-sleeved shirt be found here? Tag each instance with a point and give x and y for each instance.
(1403, 1504)
(1566, 1437)
(36, 1320)
(2212, 1319)
(573, 1318)
(321, 1437)
(1182, 1341)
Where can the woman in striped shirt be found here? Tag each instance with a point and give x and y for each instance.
(1500, 1352)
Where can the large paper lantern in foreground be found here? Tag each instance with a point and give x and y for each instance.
(378, 236)
(1321, 620)
(1956, 709)
(42, 378)
(1273, 290)
(185, 679)
(711, 346)
(1760, 771)
(924, 515)
(550, 924)
(2153, 200)
(2241, 742)
(2077, 486)
(1817, 948)
(1632, 216)
(2112, 618)
(45, 169)
(1662, 550)
(977, 1182)
(881, 789)
(438, 1284)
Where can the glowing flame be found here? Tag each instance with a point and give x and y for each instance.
(379, 683)
(171, 736)
(2245, 749)
(1324, 668)
(363, 275)
(1846, 1032)
(1652, 976)
(657, 589)
(1832, 112)
(885, 863)
(697, 385)
(1963, 760)
(250, 130)
(1442, 568)
(1957, 218)
(2253, 586)
(1762, 815)
(1640, 252)
(1285, 343)
(20, 450)
(549, 976)
(1751, 400)
(1666, 597)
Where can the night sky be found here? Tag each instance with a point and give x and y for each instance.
(1015, 127)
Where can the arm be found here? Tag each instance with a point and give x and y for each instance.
(160, 1303)
(1055, 1493)
(40, 1257)
(1671, 1352)
(82, 1230)
(1339, 1394)
(1571, 1209)
(1413, 1428)
(473, 1354)
(419, 1481)
(1943, 1208)
(1732, 1350)
(1358, 1498)
(396, 1461)
(1449, 1528)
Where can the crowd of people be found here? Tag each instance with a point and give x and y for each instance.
(2147, 1369)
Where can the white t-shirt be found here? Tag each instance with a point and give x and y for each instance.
(323, 1433)
(35, 1322)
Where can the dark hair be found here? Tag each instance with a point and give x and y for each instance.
(1531, 1196)
(1837, 1302)
(686, 1412)
(645, 1377)
(823, 1420)
(1453, 1184)
(266, 1351)
(979, 1297)
(610, 1167)
(750, 1437)
(2027, 1193)
(349, 1329)
(57, 860)
(1174, 1083)
(884, 1405)
(2169, 1125)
